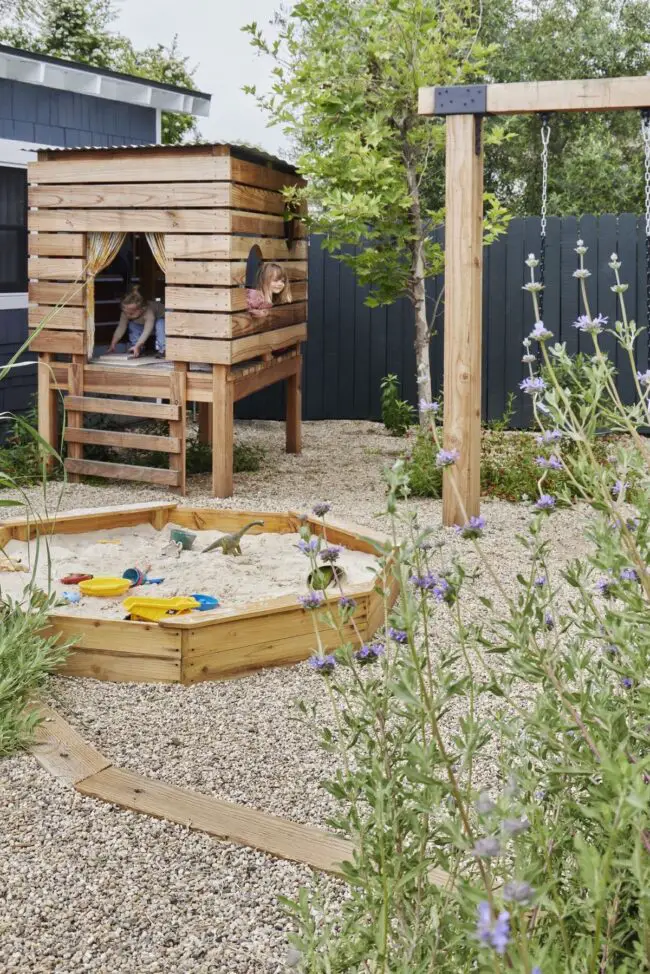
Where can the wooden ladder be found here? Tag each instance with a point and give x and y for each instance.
(174, 412)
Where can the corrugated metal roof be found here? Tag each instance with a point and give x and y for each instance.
(240, 151)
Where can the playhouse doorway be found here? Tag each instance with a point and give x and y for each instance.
(134, 265)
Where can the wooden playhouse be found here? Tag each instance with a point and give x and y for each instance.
(196, 222)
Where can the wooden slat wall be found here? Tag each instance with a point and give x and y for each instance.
(213, 208)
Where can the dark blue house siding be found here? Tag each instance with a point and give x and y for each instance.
(40, 115)
(32, 113)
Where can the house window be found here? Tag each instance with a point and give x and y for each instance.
(13, 230)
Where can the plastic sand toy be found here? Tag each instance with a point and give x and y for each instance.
(105, 587)
(206, 602)
(152, 610)
(75, 578)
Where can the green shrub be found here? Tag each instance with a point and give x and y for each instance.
(509, 470)
(397, 415)
(26, 659)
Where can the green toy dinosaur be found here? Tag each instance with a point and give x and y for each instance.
(230, 543)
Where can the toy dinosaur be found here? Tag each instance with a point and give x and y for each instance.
(230, 543)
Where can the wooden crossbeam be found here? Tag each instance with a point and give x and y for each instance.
(123, 471)
(586, 95)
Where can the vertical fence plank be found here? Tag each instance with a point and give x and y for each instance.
(606, 302)
(642, 311)
(515, 257)
(314, 349)
(362, 342)
(626, 249)
(344, 406)
(330, 337)
(378, 364)
(570, 293)
(495, 328)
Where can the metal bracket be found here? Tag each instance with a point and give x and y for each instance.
(460, 100)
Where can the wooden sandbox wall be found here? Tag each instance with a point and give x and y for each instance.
(213, 206)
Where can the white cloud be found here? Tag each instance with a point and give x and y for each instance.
(209, 33)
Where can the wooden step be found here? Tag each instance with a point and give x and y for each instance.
(129, 441)
(123, 471)
(122, 407)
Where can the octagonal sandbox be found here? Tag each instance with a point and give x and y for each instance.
(213, 645)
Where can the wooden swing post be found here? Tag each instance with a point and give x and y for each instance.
(465, 107)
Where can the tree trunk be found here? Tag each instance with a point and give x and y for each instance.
(418, 290)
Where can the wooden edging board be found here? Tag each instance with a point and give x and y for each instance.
(209, 645)
(60, 750)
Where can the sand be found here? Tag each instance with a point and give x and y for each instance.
(270, 565)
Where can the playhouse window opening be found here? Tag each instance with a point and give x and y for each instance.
(135, 265)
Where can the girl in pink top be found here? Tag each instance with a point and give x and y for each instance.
(272, 288)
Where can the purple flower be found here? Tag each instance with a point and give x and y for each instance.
(619, 487)
(425, 546)
(632, 523)
(552, 463)
(347, 604)
(549, 436)
(629, 575)
(515, 826)
(322, 664)
(484, 803)
(331, 553)
(644, 377)
(491, 933)
(436, 585)
(540, 332)
(604, 587)
(549, 621)
(532, 384)
(308, 547)
(536, 969)
(321, 509)
(591, 325)
(545, 503)
(428, 407)
(487, 848)
(399, 635)
(611, 649)
(518, 891)
(369, 653)
(473, 528)
(540, 582)
(312, 601)
(446, 458)
(627, 682)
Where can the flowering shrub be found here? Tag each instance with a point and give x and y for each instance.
(536, 861)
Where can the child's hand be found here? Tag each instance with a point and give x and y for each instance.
(111, 348)
(136, 350)
(258, 313)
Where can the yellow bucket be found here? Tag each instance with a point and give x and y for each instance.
(105, 587)
(152, 610)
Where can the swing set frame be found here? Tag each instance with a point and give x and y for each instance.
(464, 108)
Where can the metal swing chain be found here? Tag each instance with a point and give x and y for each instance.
(645, 135)
(546, 135)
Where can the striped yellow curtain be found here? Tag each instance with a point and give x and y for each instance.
(157, 243)
(103, 248)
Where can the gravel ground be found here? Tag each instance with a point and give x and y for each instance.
(136, 882)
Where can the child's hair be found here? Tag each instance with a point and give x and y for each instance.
(134, 297)
(267, 274)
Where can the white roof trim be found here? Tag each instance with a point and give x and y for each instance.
(13, 67)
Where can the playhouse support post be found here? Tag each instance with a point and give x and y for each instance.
(178, 428)
(205, 422)
(47, 413)
(222, 431)
(463, 318)
(294, 410)
(75, 420)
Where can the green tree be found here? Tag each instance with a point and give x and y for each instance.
(595, 159)
(80, 30)
(345, 90)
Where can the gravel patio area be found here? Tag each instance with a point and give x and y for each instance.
(92, 888)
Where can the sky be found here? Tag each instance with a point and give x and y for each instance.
(209, 34)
